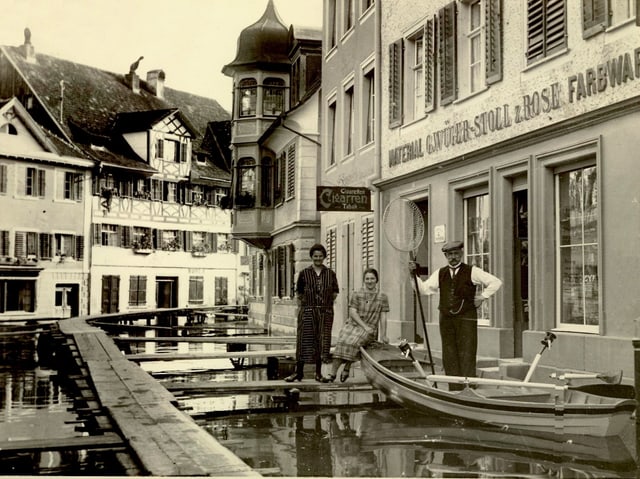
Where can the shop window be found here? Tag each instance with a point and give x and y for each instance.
(477, 234)
(35, 182)
(246, 189)
(17, 295)
(248, 90)
(369, 106)
(196, 289)
(577, 249)
(546, 28)
(273, 97)
(137, 290)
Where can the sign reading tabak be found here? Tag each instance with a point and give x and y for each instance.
(343, 198)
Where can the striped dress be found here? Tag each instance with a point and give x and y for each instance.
(352, 336)
(315, 316)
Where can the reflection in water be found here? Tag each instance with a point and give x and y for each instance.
(400, 443)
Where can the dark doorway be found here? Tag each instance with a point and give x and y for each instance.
(167, 292)
(520, 268)
(110, 294)
(67, 300)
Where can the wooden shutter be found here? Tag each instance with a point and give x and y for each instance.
(41, 183)
(291, 171)
(447, 50)
(429, 63)
(21, 244)
(493, 43)
(45, 246)
(594, 17)
(214, 242)
(291, 286)
(79, 247)
(367, 242)
(3, 178)
(4, 243)
(126, 236)
(331, 248)
(395, 83)
(546, 28)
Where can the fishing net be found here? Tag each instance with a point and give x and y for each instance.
(403, 224)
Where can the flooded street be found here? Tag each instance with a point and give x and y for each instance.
(339, 433)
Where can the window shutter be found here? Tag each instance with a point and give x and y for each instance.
(189, 240)
(429, 63)
(545, 27)
(126, 236)
(155, 238)
(291, 171)
(45, 246)
(367, 243)
(3, 178)
(4, 243)
(79, 247)
(395, 83)
(21, 244)
(41, 183)
(447, 50)
(97, 234)
(214, 242)
(493, 44)
(594, 17)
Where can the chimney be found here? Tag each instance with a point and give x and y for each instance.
(155, 81)
(132, 79)
(27, 49)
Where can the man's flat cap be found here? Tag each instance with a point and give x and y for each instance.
(452, 245)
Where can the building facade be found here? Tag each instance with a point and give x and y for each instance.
(511, 125)
(350, 132)
(111, 191)
(275, 151)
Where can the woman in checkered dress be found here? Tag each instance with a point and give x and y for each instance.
(368, 307)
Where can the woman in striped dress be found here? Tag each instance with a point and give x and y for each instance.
(316, 290)
(367, 308)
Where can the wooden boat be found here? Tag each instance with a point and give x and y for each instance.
(461, 446)
(536, 406)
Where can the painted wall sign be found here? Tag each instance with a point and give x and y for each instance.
(614, 72)
(343, 198)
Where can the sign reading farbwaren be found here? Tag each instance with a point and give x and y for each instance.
(343, 198)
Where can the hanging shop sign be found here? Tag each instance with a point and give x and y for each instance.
(343, 198)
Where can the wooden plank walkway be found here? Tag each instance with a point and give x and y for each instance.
(166, 441)
(105, 441)
(310, 385)
(139, 357)
(212, 339)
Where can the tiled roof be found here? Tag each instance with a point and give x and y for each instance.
(93, 97)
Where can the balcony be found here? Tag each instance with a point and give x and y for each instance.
(254, 225)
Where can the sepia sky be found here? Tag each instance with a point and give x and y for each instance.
(191, 40)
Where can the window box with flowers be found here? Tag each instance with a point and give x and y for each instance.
(172, 245)
(143, 246)
(200, 250)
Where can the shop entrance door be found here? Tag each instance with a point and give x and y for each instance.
(520, 268)
(167, 292)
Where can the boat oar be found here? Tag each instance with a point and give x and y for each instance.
(609, 378)
(494, 382)
(546, 343)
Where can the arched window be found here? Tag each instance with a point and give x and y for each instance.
(247, 94)
(273, 98)
(8, 129)
(266, 181)
(246, 185)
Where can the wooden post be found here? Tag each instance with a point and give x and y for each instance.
(636, 367)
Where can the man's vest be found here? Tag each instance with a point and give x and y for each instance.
(457, 293)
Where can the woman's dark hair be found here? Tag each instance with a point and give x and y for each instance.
(317, 247)
(373, 271)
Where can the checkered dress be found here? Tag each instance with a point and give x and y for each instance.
(352, 336)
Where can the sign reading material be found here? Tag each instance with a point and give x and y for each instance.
(343, 198)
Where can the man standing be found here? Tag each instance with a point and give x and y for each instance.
(458, 305)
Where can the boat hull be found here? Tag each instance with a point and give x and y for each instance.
(561, 411)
